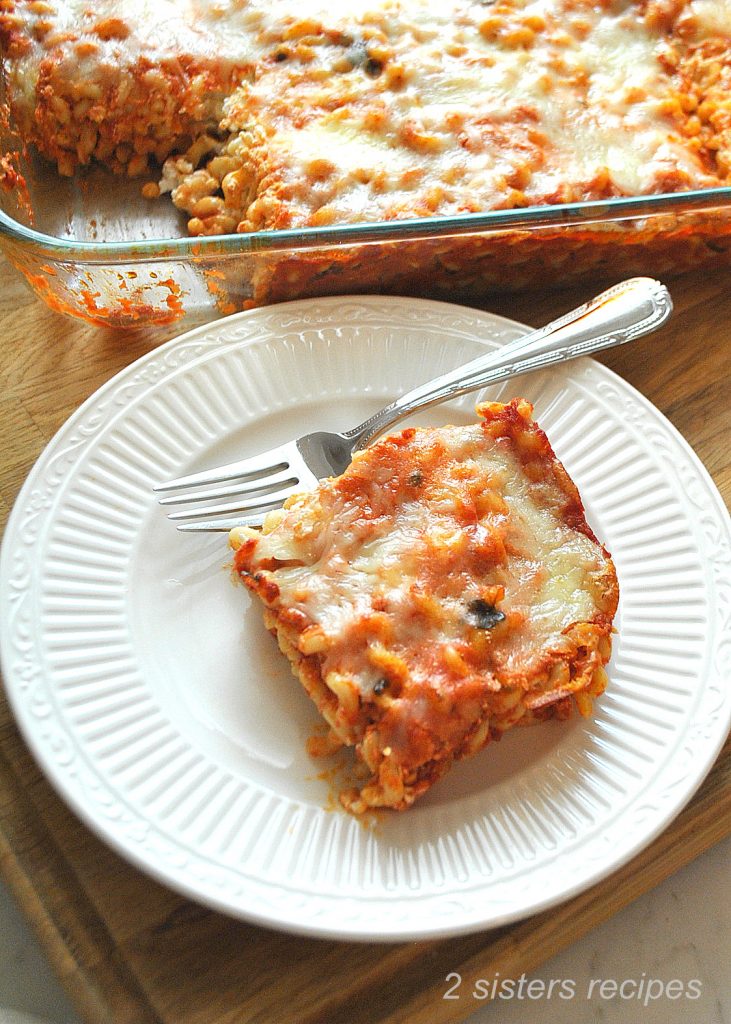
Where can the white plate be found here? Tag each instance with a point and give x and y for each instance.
(156, 703)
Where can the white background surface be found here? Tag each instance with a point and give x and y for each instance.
(682, 929)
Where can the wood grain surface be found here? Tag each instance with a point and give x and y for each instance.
(128, 950)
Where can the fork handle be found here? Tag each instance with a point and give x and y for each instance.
(618, 315)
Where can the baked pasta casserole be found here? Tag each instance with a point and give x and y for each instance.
(444, 589)
(271, 114)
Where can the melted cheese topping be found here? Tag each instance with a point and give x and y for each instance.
(709, 18)
(421, 529)
(407, 108)
(122, 33)
(356, 566)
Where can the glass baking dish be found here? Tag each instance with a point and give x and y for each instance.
(93, 247)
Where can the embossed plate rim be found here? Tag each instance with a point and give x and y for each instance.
(199, 345)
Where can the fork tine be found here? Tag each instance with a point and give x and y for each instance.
(221, 525)
(269, 483)
(265, 501)
(275, 460)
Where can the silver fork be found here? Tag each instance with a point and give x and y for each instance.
(263, 482)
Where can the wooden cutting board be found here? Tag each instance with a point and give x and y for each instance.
(130, 951)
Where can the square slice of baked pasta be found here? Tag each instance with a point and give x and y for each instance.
(443, 589)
